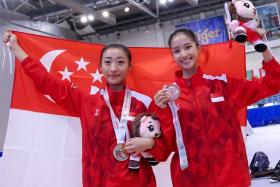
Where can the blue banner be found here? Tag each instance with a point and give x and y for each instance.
(208, 31)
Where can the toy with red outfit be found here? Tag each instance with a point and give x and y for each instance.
(242, 20)
(145, 125)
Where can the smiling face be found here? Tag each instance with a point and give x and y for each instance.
(149, 127)
(115, 66)
(185, 53)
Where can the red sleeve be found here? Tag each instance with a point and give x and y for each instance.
(62, 92)
(246, 92)
(163, 145)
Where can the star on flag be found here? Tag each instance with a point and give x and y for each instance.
(82, 64)
(66, 74)
(96, 76)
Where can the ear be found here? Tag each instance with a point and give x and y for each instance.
(143, 119)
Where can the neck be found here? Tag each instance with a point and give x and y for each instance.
(116, 87)
(188, 73)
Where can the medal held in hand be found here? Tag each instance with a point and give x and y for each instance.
(119, 153)
(173, 92)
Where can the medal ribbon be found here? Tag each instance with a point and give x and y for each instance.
(179, 138)
(10, 58)
(120, 126)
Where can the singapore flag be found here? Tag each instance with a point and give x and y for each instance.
(43, 141)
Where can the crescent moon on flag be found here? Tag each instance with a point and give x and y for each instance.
(48, 58)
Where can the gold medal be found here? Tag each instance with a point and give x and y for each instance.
(119, 153)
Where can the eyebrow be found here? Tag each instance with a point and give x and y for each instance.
(188, 43)
(175, 48)
(119, 57)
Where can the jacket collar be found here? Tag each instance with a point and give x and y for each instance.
(116, 97)
(183, 82)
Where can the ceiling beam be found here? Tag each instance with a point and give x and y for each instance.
(5, 4)
(20, 5)
(143, 8)
(8, 15)
(157, 7)
(192, 2)
(52, 2)
(41, 3)
(25, 3)
(111, 20)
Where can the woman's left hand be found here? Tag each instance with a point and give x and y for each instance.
(139, 144)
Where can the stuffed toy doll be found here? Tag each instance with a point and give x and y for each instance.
(242, 21)
(144, 125)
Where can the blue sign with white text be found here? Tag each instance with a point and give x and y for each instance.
(208, 31)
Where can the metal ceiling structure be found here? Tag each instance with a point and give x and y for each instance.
(142, 12)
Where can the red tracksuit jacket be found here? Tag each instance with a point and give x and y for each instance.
(207, 112)
(100, 169)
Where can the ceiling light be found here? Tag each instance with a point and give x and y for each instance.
(163, 2)
(90, 17)
(126, 9)
(105, 14)
(170, 0)
(84, 19)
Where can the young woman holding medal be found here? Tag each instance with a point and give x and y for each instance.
(104, 116)
(201, 126)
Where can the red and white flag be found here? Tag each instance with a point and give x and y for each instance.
(43, 140)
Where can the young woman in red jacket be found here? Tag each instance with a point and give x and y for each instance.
(201, 126)
(104, 116)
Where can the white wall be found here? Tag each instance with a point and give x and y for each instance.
(254, 59)
(148, 36)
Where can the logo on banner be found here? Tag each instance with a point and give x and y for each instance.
(208, 31)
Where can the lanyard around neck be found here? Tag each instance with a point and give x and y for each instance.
(179, 137)
(120, 126)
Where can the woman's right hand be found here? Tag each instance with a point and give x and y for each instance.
(11, 40)
(161, 98)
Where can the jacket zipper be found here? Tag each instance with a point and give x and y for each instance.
(189, 83)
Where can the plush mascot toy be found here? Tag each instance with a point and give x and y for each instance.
(144, 125)
(242, 20)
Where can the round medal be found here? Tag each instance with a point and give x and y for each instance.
(173, 92)
(119, 153)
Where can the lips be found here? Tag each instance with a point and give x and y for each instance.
(113, 76)
(186, 61)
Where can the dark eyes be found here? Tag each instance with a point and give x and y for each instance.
(186, 47)
(120, 62)
(247, 5)
(176, 51)
(151, 128)
(109, 62)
